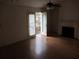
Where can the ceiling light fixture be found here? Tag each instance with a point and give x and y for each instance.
(50, 5)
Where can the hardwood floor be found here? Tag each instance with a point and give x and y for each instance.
(42, 47)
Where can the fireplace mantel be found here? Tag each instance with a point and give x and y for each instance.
(69, 23)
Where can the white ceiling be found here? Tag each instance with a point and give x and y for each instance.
(31, 3)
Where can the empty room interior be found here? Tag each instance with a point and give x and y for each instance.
(39, 29)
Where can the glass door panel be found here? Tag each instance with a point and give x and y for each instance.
(31, 24)
(44, 23)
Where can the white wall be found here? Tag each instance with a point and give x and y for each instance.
(69, 13)
(70, 10)
(13, 23)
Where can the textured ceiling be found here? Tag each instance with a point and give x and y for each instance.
(31, 3)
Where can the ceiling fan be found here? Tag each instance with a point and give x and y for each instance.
(51, 6)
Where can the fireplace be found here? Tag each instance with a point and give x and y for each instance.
(68, 32)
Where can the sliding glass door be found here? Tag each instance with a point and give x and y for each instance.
(37, 23)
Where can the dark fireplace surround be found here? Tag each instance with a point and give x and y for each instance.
(68, 31)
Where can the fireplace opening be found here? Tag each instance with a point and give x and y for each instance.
(68, 32)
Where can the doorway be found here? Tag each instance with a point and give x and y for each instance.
(38, 23)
